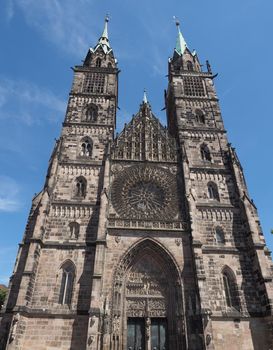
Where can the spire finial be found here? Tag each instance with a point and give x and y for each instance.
(145, 99)
(177, 22)
(181, 44)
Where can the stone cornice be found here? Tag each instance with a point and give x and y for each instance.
(221, 250)
(79, 162)
(215, 205)
(47, 313)
(86, 124)
(205, 130)
(210, 168)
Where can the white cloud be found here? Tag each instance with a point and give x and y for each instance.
(9, 195)
(65, 23)
(20, 99)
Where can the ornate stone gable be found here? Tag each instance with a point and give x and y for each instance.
(145, 139)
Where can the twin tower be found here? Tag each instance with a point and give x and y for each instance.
(145, 240)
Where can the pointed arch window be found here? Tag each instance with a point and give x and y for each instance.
(200, 117)
(230, 289)
(68, 275)
(205, 153)
(189, 66)
(74, 229)
(91, 114)
(213, 191)
(219, 235)
(80, 187)
(98, 62)
(86, 147)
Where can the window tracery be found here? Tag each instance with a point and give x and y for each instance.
(91, 114)
(98, 62)
(80, 187)
(205, 153)
(94, 83)
(200, 117)
(74, 229)
(193, 86)
(86, 147)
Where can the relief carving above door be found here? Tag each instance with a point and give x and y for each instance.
(147, 298)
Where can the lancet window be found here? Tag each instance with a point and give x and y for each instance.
(230, 289)
(74, 229)
(68, 275)
(80, 187)
(86, 147)
(213, 191)
(205, 153)
(219, 235)
(91, 114)
(199, 115)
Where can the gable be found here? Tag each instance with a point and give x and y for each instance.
(144, 138)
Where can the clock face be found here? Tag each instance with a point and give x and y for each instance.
(145, 192)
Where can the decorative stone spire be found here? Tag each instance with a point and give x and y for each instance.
(181, 44)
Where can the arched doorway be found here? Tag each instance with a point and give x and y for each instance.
(147, 310)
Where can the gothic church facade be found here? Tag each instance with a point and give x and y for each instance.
(143, 240)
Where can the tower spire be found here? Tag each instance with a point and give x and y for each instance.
(181, 44)
(104, 42)
(145, 99)
(105, 30)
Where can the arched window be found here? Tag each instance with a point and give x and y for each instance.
(86, 147)
(110, 65)
(189, 66)
(213, 191)
(91, 114)
(74, 229)
(68, 275)
(205, 153)
(200, 118)
(98, 62)
(80, 187)
(219, 235)
(230, 289)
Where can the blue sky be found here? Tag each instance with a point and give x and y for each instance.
(41, 40)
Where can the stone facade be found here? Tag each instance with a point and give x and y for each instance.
(147, 240)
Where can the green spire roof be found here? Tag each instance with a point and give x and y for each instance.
(181, 44)
(145, 99)
(104, 39)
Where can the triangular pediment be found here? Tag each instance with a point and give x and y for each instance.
(145, 139)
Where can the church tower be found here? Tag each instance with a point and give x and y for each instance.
(146, 239)
(232, 264)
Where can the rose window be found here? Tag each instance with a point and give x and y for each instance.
(145, 192)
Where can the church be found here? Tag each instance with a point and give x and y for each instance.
(146, 239)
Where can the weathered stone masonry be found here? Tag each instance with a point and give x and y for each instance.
(144, 240)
